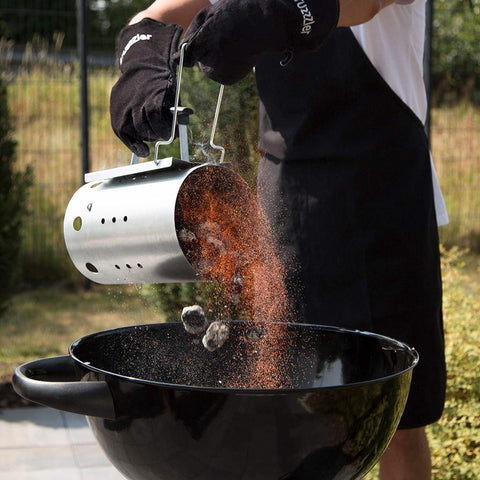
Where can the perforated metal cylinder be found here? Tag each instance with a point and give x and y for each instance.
(122, 230)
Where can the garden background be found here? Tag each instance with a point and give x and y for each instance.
(57, 67)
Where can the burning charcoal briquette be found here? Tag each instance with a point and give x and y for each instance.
(216, 244)
(215, 336)
(209, 228)
(213, 237)
(255, 334)
(187, 236)
(237, 283)
(187, 239)
(194, 319)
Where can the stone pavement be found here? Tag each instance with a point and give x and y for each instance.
(40, 443)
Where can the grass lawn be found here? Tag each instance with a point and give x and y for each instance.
(44, 322)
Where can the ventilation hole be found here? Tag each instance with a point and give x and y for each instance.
(139, 265)
(77, 223)
(91, 268)
(114, 219)
(128, 266)
(125, 218)
(103, 221)
(117, 267)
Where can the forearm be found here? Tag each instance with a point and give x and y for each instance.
(180, 12)
(355, 12)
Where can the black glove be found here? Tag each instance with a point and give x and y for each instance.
(140, 101)
(228, 37)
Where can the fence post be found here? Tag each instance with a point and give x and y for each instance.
(82, 28)
(82, 37)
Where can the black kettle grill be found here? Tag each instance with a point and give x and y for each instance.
(160, 406)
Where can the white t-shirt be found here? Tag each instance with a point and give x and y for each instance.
(394, 42)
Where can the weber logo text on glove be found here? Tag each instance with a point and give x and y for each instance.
(136, 38)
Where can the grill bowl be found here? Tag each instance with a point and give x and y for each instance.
(163, 407)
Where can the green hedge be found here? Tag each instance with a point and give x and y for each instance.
(14, 187)
(455, 52)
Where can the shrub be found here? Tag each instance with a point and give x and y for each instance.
(14, 187)
(456, 56)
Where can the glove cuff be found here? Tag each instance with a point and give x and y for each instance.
(147, 42)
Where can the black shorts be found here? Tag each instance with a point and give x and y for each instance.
(361, 243)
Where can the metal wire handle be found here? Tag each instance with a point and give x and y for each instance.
(175, 109)
(160, 143)
(214, 125)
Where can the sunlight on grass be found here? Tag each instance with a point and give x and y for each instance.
(45, 322)
(455, 147)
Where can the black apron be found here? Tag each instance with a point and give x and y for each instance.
(346, 182)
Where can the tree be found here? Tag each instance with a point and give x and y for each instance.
(456, 56)
(107, 18)
(27, 20)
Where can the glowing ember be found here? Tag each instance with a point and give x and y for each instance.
(226, 239)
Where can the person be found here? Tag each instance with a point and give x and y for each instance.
(345, 176)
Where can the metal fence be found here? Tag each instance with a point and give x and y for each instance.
(58, 94)
(47, 84)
